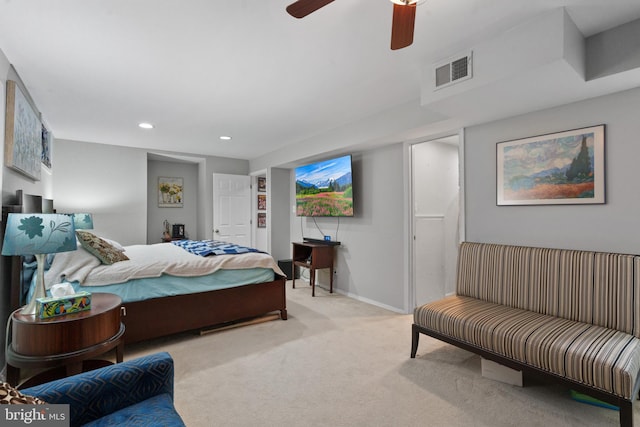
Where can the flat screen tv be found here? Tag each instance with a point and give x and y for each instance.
(325, 188)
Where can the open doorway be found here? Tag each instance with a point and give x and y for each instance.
(435, 217)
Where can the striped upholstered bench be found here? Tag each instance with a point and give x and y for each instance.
(570, 315)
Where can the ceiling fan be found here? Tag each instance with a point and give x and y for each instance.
(404, 18)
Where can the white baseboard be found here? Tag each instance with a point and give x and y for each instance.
(359, 298)
(369, 301)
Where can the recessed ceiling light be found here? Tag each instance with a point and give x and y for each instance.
(145, 125)
(225, 138)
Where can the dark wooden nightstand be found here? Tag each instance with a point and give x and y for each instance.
(67, 342)
(313, 256)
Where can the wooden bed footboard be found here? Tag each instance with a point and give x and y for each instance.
(159, 317)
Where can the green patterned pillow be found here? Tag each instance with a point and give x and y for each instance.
(100, 248)
(9, 395)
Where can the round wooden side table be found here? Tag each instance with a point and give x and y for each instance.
(66, 342)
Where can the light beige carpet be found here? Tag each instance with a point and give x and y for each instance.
(341, 362)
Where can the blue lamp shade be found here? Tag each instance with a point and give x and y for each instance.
(83, 221)
(32, 234)
(38, 234)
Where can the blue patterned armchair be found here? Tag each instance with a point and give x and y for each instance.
(136, 392)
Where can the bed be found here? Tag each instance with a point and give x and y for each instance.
(219, 297)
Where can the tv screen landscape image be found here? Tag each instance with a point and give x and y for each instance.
(325, 188)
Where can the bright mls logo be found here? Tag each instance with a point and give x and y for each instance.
(35, 415)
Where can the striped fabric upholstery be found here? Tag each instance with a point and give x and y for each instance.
(593, 287)
(572, 313)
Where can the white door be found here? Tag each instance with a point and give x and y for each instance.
(435, 196)
(232, 208)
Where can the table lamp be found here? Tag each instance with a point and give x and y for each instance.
(38, 234)
(82, 221)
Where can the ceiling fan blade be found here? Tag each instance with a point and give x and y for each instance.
(302, 8)
(404, 19)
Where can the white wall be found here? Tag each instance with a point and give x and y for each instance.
(187, 214)
(370, 263)
(108, 181)
(608, 227)
(111, 182)
(279, 204)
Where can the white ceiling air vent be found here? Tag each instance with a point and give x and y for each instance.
(453, 70)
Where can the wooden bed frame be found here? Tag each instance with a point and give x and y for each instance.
(159, 317)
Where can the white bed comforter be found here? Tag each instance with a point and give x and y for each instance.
(147, 261)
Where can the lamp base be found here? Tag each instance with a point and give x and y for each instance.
(39, 292)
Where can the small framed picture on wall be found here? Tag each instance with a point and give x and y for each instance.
(262, 220)
(170, 192)
(262, 202)
(262, 184)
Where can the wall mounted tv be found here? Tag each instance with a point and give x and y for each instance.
(325, 188)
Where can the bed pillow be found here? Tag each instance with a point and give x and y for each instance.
(10, 395)
(100, 248)
(117, 246)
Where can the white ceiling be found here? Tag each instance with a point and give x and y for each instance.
(203, 68)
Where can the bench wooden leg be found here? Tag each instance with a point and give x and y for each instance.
(626, 414)
(625, 406)
(415, 336)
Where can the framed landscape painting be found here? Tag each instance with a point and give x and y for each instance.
(553, 169)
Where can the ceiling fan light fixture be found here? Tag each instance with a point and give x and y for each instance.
(403, 23)
(407, 2)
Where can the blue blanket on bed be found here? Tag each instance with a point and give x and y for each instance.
(212, 247)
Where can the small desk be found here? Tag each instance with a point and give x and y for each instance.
(66, 342)
(312, 256)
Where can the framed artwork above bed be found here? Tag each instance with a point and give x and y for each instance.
(23, 134)
(47, 139)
